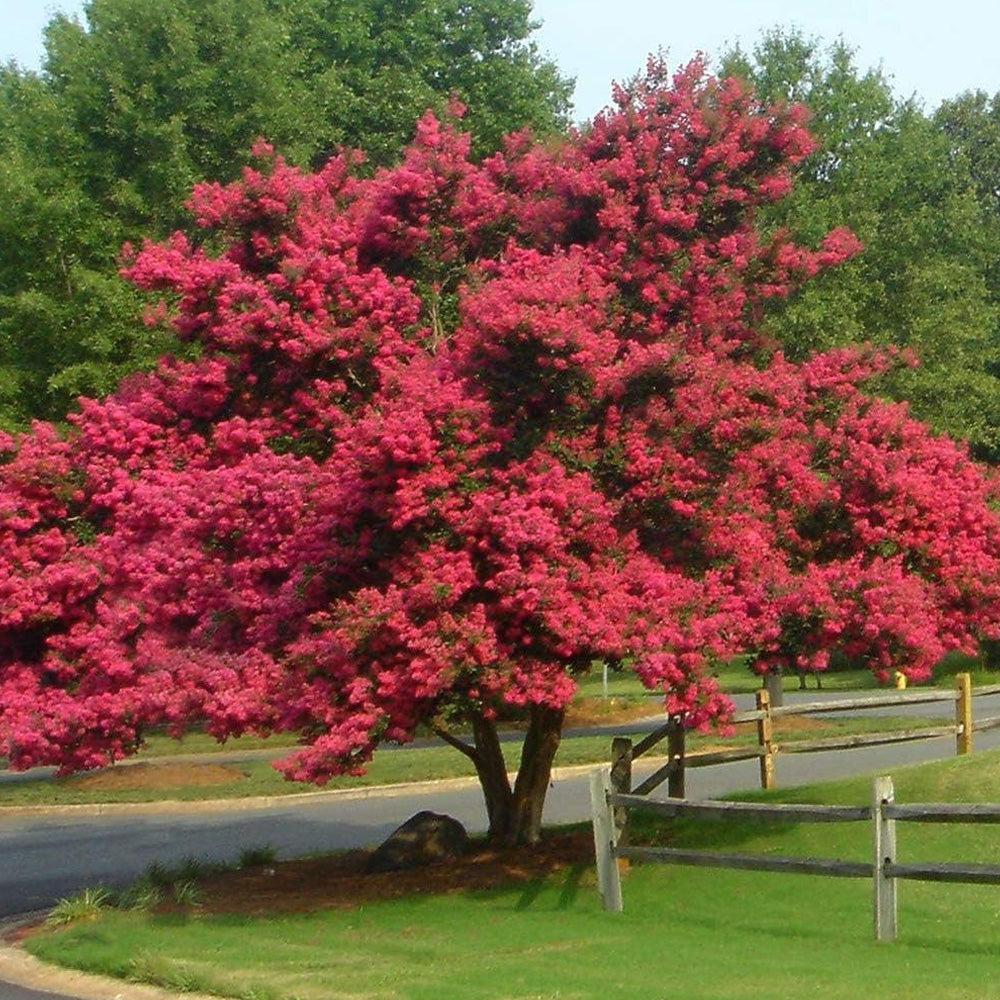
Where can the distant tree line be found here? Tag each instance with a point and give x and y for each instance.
(922, 193)
(131, 109)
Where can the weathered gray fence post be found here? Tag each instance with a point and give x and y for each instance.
(883, 854)
(608, 877)
(621, 781)
(765, 735)
(963, 714)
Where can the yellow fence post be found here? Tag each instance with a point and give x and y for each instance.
(963, 714)
(764, 739)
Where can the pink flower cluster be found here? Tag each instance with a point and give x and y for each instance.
(457, 430)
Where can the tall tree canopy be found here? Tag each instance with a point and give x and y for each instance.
(925, 279)
(971, 123)
(144, 100)
(460, 428)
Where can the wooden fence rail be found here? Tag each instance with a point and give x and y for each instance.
(883, 869)
(624, 752)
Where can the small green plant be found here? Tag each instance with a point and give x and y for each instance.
(189, 870)
(142, 895)
(161, 881)
(187, 893)
(158, 875)
(172, 974)
(257, 857)
(85, 905)
(192, 869)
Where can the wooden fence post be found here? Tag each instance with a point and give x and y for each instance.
(676, 751)
(621, 782)
(608, 877)
(764, 739)
(963, 714)
(883, 853)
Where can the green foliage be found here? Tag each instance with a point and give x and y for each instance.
(67, 323)
(257, 857)
(85, 905)
(144, 894)
(148, 98)
(186, 893)
(971, 122)
(971, 125)
(924, 280)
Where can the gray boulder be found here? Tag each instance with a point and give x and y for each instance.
(421, 840)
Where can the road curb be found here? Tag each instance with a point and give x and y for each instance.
(20, 968)
(297, 799)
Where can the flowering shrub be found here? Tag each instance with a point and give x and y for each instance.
(456, 430)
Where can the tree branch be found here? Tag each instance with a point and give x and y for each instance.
(454, 741)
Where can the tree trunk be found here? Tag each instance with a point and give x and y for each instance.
(515, 815)
(540, 745)
(492, 771)
(772, 683)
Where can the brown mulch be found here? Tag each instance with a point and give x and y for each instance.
(156, 775)
(339, 881)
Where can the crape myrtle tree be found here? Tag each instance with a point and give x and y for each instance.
(455, 431)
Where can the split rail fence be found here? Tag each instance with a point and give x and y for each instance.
(624, 752)
(883, 869)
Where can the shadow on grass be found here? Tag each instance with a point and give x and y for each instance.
(649, 830)
(178, 918)
(950, 946)
(537, 892)
(568, 892)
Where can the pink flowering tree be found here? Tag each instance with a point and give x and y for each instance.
(456, 431)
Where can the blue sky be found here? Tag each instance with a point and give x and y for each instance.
(932, 49)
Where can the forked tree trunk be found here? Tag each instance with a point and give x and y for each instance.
(515, 814)
(534, 774)
(492, 771)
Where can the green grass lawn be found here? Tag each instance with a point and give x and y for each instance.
(389, 766)
(735, 677)
(695, 933)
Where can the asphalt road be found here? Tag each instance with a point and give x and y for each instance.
(8, 991)
(46, 857)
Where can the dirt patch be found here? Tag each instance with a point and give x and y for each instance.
(339, 881)
(594, 711)
(167, 775)
(788, 724)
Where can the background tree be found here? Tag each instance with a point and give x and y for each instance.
(925, 278)
(67, 322)
(146, 99)
(971, 123)
(456, 430)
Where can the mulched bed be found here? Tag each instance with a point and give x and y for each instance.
(340, 881)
